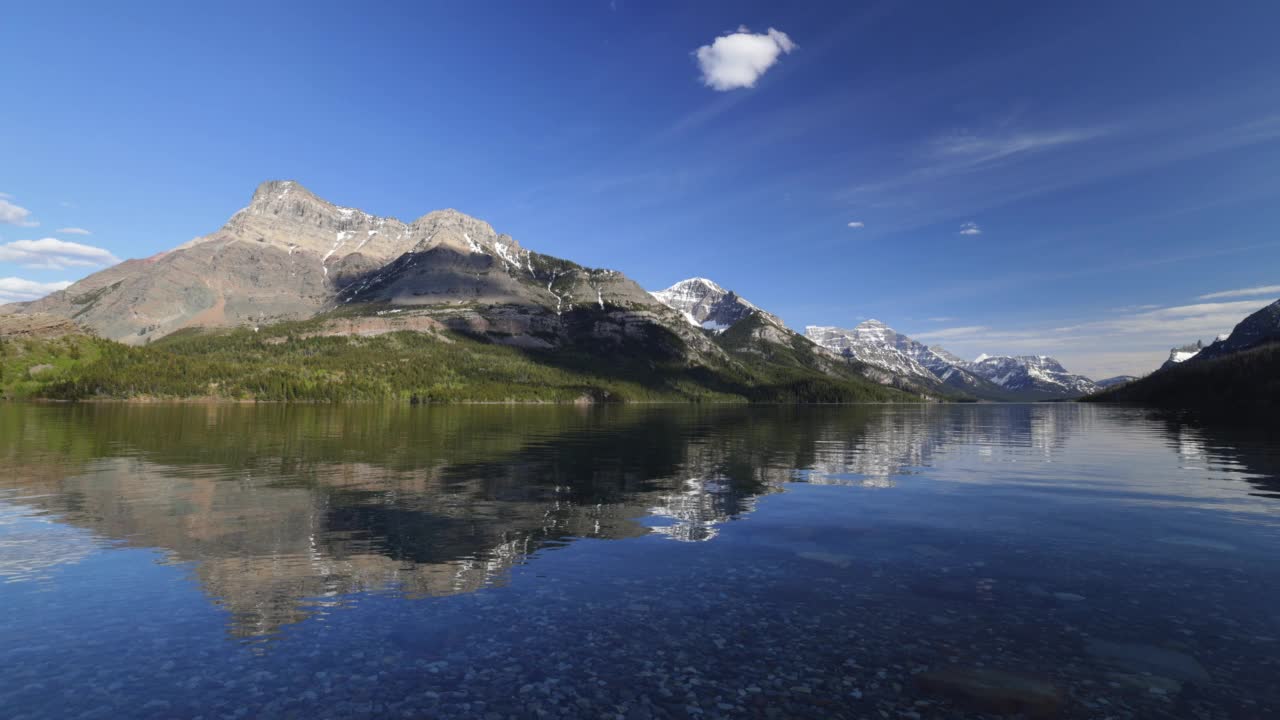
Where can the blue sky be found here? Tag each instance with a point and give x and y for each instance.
(1113, 163)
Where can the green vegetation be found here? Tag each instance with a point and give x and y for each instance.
(1241, 387)
(291, 362)
(29, 365)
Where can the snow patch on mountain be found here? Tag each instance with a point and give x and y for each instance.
(705, 304)
(1032, 373)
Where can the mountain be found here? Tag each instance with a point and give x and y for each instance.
(1032, 376)
(1260, 328)
(705, 304)
(777, 356)
(290, 255)
(876, 344)
(1236, 379)
(911, 363)
(298, 298)
(284, 256)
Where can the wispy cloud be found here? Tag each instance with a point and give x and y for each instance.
(857, 224)
(739, 59)
(1273, 290)
(74, 231)
(977, 149)
(970, 228)
(952, 333)
(15, 289)
(942, 157)
(1131, 343)
(11, 214)
(55, 254)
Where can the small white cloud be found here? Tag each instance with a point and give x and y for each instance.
(857, 224)
(74, 231)
(14, 289)
(1243, 292)
(738, 59)
(55, 254)
(970, 228)
(11, 214)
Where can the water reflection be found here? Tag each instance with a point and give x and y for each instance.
(281, 512)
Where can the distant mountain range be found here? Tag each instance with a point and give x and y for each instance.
(289, 256)
(889, 356)
(1026, 377)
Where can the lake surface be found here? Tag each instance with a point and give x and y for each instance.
(228, 561)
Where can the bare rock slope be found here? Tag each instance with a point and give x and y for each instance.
(290, 255)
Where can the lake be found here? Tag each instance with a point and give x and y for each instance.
(937, 561)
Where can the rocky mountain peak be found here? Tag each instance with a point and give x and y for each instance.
(289, 200)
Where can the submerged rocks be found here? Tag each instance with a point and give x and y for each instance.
(994, 691)
(1135, 658)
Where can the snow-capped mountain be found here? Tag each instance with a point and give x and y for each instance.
(1038, 375)
(876, 344)
(706, 304)
(992, 378)
(911, 363)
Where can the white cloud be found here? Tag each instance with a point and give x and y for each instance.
(857, 224)
(55, 254)
(970, 228)
(737, 60)
(1273, 290)
(74, 231)
(14, 289)
(11, 214)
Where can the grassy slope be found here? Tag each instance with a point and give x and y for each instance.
(27, 365)
(1244, 386)
(278, 363)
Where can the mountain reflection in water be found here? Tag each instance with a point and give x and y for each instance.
(279, 505)
(282, 514)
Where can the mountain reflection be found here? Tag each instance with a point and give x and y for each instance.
(283, 511)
